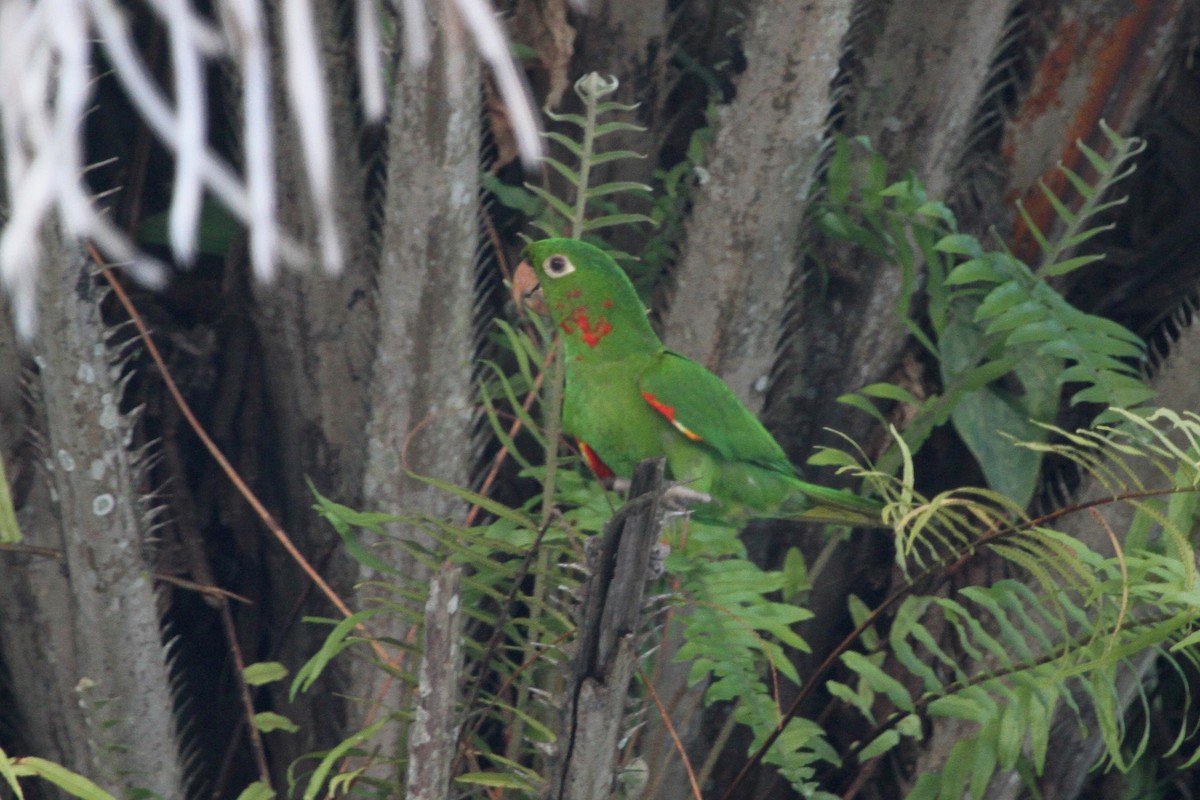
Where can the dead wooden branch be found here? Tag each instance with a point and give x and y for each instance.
(433, 736)
(606, 655)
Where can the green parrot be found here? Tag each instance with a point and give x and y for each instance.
(629, 398)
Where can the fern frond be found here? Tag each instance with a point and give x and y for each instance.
(992, 321)
(1109, 171)
(1078, 633)
(576, 218)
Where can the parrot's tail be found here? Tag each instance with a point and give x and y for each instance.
(813, 503)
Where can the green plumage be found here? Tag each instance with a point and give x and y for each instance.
(628, 398)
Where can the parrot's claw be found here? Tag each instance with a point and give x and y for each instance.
(679, 497)
(619, 485)
(658, 559)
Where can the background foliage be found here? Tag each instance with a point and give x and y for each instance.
(838, 235)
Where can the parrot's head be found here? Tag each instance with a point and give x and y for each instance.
(582, 289)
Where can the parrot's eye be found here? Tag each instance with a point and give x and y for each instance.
(557, 266)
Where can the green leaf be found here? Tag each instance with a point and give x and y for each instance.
(1038, 720)
(862, 404)
(605, 128)
(267, 721)
(927, 787)
(988, 420)
(515, 197)
(856, 699)
(610, 220)
(959, 244)
(796, 581)
(1048, 330)
(1027, 320)
(614, 155)
(571, 175)
(10, 775)
(983, 766)
(566, 141)
(488, 504)
(70, 782)
(882, 744)
(1071, 264)
(838, 176)
(264, 672)
(999, 300)
(343, 518)
(879, 680)
(1010, 736)
(497, 780)
(960, 706)
(890, 391)
(977, 270)
(331, 758)
(334, 643)
(911, 726)
(257, 791)
(980, 376)
(10, 529)
(551, 200)
(615, 187)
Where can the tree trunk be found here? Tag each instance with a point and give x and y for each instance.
(422, 395)
(742, 246)
(317, 334)
(81, 632)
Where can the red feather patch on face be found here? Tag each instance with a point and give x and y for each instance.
(669, 412)
(602, 470)
(592, 332)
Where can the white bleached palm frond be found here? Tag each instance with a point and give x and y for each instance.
(47, 73)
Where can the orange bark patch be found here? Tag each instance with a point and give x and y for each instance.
(1114, 57)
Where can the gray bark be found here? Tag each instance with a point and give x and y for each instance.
(742, 246)
(922, 74)
(422, 395)
(1104, 63)
(317, 333)
(605, 657)
(81, 634)
(920, 70)
(433, 741)
(922, 84)
(743, 241)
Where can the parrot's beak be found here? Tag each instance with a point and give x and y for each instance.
(527, 292)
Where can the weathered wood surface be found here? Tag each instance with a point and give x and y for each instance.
(606, 655)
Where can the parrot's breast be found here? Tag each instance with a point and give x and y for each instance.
(603, 407)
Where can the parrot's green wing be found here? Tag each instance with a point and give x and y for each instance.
(751, 471)
(702, 407)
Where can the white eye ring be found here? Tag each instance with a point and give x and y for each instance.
(557, 266)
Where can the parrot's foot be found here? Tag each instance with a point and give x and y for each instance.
(658, 560)
(618, 485)
(679, 497)
(657, 564)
